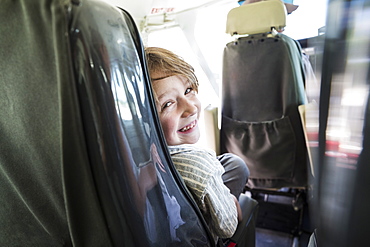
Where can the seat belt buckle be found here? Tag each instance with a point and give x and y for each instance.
(230, 243)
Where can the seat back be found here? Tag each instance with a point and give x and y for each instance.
(263, 85)
(82, 158)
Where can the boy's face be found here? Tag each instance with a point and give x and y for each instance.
(179, 110)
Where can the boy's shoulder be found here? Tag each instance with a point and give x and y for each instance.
(196, 160)
(190, 148)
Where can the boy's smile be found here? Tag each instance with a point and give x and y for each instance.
(178, 108)
(189, 127)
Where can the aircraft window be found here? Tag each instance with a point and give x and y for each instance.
(121, 99)
(301, 24)
(122, 90)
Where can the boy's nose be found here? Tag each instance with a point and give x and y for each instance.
(189, 108)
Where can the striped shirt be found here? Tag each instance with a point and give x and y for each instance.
(201, 172)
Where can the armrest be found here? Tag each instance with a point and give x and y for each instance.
(211, 128)
(245, 235)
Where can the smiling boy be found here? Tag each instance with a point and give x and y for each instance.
(178, 107)
(214, 190)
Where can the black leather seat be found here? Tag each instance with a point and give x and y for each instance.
(81, 151)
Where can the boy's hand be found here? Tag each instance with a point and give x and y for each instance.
(238, 209)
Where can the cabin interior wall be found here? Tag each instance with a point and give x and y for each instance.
(202, 43)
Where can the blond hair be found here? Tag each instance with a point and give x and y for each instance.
(166, 63)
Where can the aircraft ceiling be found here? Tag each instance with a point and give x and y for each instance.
(142, 8)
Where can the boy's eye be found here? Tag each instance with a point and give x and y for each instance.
(167, 104)
(188, 90)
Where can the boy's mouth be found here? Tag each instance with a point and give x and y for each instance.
(188, 127)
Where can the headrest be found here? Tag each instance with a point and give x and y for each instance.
(257, 17)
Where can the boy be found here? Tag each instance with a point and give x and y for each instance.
(175, 87)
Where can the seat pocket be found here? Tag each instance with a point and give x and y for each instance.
(268, 147)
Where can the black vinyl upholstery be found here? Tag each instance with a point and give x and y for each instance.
(245, 235)
(82, 158)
